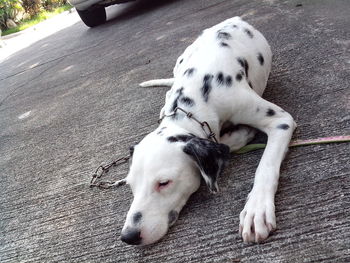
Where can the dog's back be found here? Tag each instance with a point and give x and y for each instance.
(229, 47)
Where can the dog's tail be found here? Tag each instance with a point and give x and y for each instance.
(157, 83)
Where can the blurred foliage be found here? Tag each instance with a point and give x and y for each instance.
(51, 4)
(43, 15)
(35, 10)
(9, 9)
(31, 7)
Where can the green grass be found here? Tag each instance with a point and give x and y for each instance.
(26, 23)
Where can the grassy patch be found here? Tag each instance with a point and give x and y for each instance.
(24, 24)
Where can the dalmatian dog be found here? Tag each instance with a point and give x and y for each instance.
(218, 79)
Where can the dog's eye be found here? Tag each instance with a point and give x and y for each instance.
(163, 184)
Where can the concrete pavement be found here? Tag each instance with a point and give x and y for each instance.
(71, 100)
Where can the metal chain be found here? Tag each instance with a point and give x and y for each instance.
(103, 169)
(203, 124)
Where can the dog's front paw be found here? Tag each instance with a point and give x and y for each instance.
(257, 219)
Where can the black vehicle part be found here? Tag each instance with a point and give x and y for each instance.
(93, 16)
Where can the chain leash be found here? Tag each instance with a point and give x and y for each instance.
(103, 169)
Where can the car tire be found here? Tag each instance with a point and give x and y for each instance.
(94, 16)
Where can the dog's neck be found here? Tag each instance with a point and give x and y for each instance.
(180, 123)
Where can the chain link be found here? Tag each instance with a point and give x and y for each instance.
(103, 169)
(211, 135)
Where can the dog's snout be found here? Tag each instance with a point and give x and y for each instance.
(132, 236)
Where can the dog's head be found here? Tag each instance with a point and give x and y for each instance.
(163, 174)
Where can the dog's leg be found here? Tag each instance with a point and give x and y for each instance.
(158, 83)
(257, 219)
(236, 136)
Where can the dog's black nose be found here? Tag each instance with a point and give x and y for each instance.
(132, 237)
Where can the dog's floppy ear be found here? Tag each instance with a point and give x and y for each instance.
(210, 158)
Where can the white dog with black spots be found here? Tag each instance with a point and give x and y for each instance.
(219, 79)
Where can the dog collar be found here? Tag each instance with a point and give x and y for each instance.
(204, 125)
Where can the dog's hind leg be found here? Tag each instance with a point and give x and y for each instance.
(236, 136)
(158, 83)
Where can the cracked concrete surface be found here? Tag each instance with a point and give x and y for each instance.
(71, 101)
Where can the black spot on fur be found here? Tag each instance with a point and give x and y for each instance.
(175, 103)
(223, 44)
(180, 138)
(283, 126)
(246, 67)
(174, 106)
(261, 59)
(244, 64)
(180, 91)
(249, 33)
(241, 62)
(189, 72)
(187, 101)
(181, 61)
(257, 109)
(228, 81)
(223, 35)
(160, 132)
(220, 78)
(239, 77)
(234, 26)
(137, 217)
(184, 137)
(207, 86)
(172, 139)
(270, 112)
